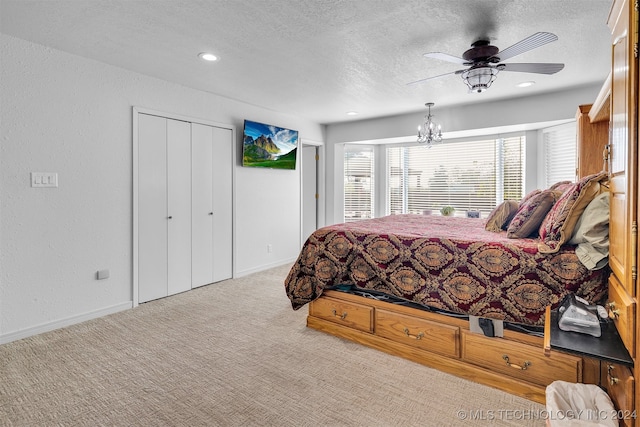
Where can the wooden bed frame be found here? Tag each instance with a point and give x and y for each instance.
(515, 363)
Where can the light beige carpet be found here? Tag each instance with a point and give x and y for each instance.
(231, 354)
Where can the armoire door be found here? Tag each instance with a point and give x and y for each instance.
(164, 207)
(619, 141)
(623, 173)
(211, 169)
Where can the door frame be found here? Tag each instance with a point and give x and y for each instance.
(134, 244)
(320, 186)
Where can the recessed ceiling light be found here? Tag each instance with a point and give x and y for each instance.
(526, 84)
(352, 113)
(208, 56)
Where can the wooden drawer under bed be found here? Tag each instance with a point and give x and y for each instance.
(416, 332)
(445, 343)
(346, 313)
(520, 360)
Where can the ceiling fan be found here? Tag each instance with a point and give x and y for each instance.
(485, 61)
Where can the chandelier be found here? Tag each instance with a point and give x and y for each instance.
(429, 132)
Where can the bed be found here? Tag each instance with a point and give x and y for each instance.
(411, 284)
(449, 263)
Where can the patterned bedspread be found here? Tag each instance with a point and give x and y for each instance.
(449, 263)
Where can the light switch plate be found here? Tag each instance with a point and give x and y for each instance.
(44, 179)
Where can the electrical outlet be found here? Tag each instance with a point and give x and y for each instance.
(269, 248)
(102, 274)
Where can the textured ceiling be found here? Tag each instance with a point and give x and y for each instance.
(322, 58)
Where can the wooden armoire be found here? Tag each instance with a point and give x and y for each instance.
(618, 104)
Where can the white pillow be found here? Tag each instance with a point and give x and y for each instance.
(591, 233)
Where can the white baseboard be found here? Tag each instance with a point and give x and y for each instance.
(264, 267)
(57, 324)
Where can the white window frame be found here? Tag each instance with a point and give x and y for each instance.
(498, 168)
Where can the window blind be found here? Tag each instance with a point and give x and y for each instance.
(470, 175)
(559, 145)
(358, 183)
(513, 161)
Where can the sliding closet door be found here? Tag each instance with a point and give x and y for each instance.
(164, 207)
(202, 195)
(222, 204)
(179, 206)
(211, 169)
(152, 207)
(184, 216)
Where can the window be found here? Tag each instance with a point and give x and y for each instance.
(358, 183)
(470, 175)
(559, 145)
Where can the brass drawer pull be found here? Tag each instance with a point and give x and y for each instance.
(418, 337)
(612, 310)
(335, 314)
(515, 366)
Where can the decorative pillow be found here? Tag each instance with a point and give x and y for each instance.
(501, 215)
(531, 213)
(561, 186)
(559, 223)
(529, 195)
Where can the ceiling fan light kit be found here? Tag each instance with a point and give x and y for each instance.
(429, 132)
(479, 79)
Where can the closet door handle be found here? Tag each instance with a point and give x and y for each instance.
(210, 213)
(169, 217)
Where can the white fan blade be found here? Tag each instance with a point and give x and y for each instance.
(445, 57)
(434, 77)
(533, 41)
(536, 67)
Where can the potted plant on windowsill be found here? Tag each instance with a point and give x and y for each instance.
(447, 210)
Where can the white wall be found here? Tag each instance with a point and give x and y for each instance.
(66, 114)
